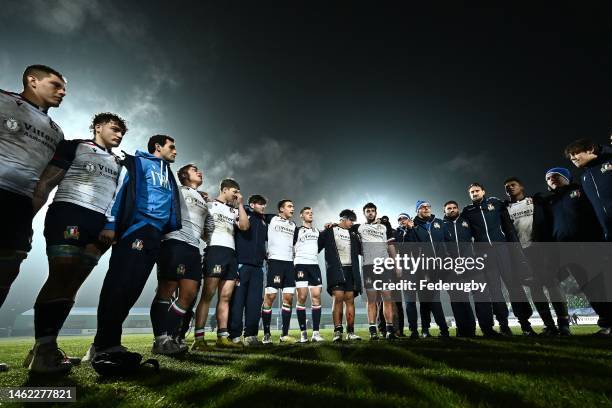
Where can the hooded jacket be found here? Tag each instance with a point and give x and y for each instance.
(147, 194)
(597, 185)
(251, 244)
(334, 272)
(489, 221)
(430, 231)
(458, 237)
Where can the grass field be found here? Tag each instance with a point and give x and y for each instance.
(519, 371)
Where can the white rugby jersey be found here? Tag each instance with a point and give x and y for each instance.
(224, 217)
(343, 243)
(280, 239)
(91, 174)
(521, 214)
(374, 239)
(28, 139)
(306, 246)
(194, 215)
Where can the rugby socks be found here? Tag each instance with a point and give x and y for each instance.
(373, 329)
(338, 328)
(49, 317)
(350, 328)
(199, 334)
(159, 311)
(185, 323)
(316, 317)
(301, 315)
(286, 314)
(390, 329)
(174, 318)
(222, 332)
(266, 318)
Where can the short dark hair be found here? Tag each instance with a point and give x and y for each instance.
(304, 209)
(183, 174)
(581, 145)
(282, 203)
(450, 202)
(40, 71)
(369, 205)
(475, 184)
(509, 179)
(105, 117)
(157, 139)
(229, 183)
(350, 214)
(258, 199)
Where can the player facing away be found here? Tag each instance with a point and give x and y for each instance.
(307, 274)
(342, 249)
(375, 238)
(221, 265)
(86, 174)
(146, 206)
(28, 139)
(179, 264)
(280, 274)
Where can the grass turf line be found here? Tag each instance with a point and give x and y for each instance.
(519, 371)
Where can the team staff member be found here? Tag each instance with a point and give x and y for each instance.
(574, 220)
(342, 249)
(248, 294)
(429, 231)
(28, 139)
(178, 266)
(404, 233)
(145, 207)
(490, 224)
(87, 173)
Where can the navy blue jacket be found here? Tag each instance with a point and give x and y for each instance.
(572, 216)
(597, 184)
(430, 231)
(489, 221)
(458, 237)
(402, 234)
(251, 244)
(334, 272)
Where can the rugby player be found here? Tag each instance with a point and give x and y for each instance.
(307, 274)
(221, 265)
(529, 215)
(178, 266)
(86, 172)
(28, 139)
(342, 249)
(280, 274)
(146, 206)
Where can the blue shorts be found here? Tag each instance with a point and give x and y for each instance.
(280, 274)
(178, 260)
(221, 262)
(307, 275)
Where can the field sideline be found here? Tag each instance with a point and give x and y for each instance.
(514, 372)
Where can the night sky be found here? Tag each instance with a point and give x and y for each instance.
(332, 106)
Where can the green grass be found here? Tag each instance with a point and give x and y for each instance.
(574, 371)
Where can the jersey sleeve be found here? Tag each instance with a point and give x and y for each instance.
(64, 154)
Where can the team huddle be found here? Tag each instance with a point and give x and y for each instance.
(230, 247)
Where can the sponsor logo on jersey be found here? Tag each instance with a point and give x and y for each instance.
(217, 269)
(491, 207)
(12, 125)
(181, 269)
(606, 167)
(72, 232)
(464, 224)
(138, 244)
(575, 194)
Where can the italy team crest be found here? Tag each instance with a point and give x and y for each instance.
(72, 232)
(300, 275)
(464, 224)
(181, 269)
(575, 194)
(490, 207)
(436, 225)
(606, 167)
(138, 244)
(277, 279)
(12, 125)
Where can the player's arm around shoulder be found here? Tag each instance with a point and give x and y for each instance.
(243, 218)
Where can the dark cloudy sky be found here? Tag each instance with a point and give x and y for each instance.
(329, 105)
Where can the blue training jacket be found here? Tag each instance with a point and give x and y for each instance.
(597, 185)
(489, 221)
(147, 194)
(251, 244)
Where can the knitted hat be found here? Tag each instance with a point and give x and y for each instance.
(420, 203)
(562, 171)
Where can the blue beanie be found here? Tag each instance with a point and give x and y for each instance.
(562, 171)
(419, 203)
(402, 215)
